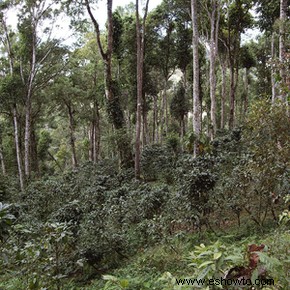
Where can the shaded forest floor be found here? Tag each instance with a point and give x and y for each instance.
(158, 266)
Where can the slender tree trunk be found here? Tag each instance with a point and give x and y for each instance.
(140, 32)
(185, 117)
(27, 138)
(233, 46)
(283, 18)
(223, 93)
(164, 112)
(162, 116)
(166, 107)
(236, 81)
(72, 134)
(182, 131)
(159, 119)
(95, 135)
(14, 109)
(273, 81)
(155, 121)
(145, 136)
(2, 161)
(114, 107)
(92, 138)
(212, 96)
(17, 146)
(214, 21)
(233, 77)
(139, 94)
(196, 90)
(28, 102)
(246, 99)
(33, 153)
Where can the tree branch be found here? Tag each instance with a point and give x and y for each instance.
(97, 29)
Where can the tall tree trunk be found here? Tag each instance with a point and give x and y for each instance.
(17, 147)
(72, 134)
(273, 56)
(114, 107)
(246, 98)
(233, 84)
(223, 93)
(27, 138)
(185, 117)
(139, 94)
(196, 90)
(182, 131)
(28, 101)
(233, 46)
(166, 107)
(140, 33)
(164, 112)
(283, 18)
(95, 135)
(33, 153)
(155, 121)
(212, 80)
(145, 137)
(214, 25)
(14, 109)
(2, 161)
(91, 138)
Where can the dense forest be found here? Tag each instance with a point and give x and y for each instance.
(153, 149)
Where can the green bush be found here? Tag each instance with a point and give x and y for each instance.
(157, 162)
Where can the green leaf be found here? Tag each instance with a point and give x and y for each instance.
(234, 258)
(206, 263)
(217, 255)
(110, 278)
(254, 276)
(203, 273)
(124, 283)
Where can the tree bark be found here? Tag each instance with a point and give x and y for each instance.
(214, 25)
(140, 33)
(164, 112)
(233, 46)
(14, 109)
(2, 161)
(283, 18)
(223, 93)
(17, 147)
(246, 99)
(72, 134)
(28, 100)
(114, 108)
(234, 75)
(155, 120)
(27, 138)
(95, 135)
(196, 90)
(33, 153)
(145, 137)
(273, 81)
(166, 106)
